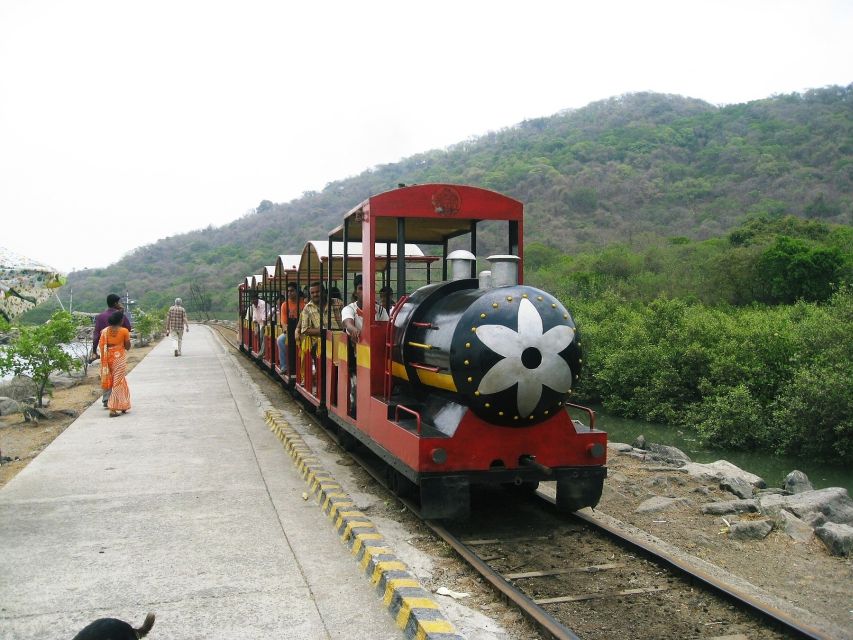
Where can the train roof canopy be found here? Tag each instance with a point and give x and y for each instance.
(433, 212)
(269, 273)
(317, 252)
(286, 264)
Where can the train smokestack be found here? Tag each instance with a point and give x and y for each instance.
(504, 270)
(459, 264)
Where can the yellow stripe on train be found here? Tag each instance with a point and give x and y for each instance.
(429, 378)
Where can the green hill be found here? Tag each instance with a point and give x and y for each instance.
(616, 170)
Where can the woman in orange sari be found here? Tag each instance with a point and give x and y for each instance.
(113, 345)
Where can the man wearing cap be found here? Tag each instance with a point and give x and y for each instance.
(352, 317)
(176, 320)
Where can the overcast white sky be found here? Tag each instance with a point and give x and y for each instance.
(122, 123)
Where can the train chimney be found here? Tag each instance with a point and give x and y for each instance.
(504, 270)
(485, 280)
(459, 264)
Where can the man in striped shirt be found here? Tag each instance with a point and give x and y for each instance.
(176, 320)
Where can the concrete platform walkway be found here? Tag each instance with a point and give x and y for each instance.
(188, 507)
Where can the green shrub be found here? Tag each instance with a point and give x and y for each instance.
(731, 418)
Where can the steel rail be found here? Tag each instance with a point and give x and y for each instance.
(695, 573)
(547, 623)
(543, 620)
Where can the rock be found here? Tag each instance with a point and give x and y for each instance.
(838, 538)
(620, 447)
(659, 503)
(667, 454)
(815, 519)
(730, 506)
(640, 442)
(797, 482)
(703, 490)
(8, 406)
(657, 481)
(721, 469)
(18, 388)
(833, 502)
(771, 491)
(738, 486)
(615, 476)
(794, 527)
(63, 381)
(750, 529)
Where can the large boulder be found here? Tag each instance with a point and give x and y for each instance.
(661, 503)
(620, 447)
(667, 454)
(832, 502)
(738, 486)
(750, 529)
(722, 470)
(18, 388)
(797, 482)
(730, 506)
(838, 538)
(8, 406)
(794, 527)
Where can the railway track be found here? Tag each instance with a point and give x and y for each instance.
(590, 576)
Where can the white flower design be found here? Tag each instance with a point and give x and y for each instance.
(531, 358)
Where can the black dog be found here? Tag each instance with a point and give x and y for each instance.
(113, 629)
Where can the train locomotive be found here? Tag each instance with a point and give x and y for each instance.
(468, 377)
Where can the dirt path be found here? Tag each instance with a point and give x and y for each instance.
(25, 440)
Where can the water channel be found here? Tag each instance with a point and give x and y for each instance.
(772, 468)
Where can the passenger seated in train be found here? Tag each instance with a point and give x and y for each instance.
(353, 321)
(307, 333)
(387, 301)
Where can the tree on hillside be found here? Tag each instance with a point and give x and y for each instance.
(37, 351)
(792, 270)
(200, 301)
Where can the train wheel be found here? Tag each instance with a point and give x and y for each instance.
(577, 493)
(399, 484)
(345, 440)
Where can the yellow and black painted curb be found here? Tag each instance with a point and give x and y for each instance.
(412, 606)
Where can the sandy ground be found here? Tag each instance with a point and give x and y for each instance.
(25, 440)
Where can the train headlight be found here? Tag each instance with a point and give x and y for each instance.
(439, 455)
(596, 450)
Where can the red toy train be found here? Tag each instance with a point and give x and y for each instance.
(468, 379)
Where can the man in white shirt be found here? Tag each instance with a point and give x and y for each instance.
(352, 314)
(352, 317)
(259, 317)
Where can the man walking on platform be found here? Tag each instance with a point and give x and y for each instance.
(101, 322)
(176, 320)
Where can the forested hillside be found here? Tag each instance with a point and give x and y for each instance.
(625, 169)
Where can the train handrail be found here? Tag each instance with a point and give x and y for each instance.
(389, 347)
(407, 410)
(589, 411)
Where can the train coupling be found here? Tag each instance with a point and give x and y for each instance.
(530, 461)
